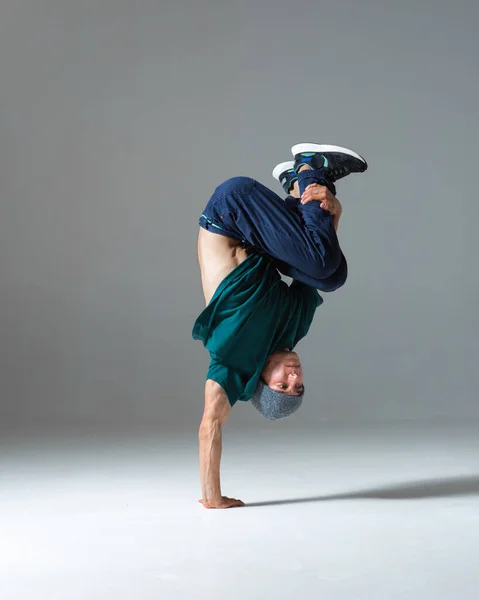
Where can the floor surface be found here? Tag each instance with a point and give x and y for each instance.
(333, 513)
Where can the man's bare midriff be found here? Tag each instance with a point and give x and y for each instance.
(218, 255)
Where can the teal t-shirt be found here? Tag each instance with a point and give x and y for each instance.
(252, 314)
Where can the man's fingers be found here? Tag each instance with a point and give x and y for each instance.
(234, 504)
(225, 502)
(233, 501)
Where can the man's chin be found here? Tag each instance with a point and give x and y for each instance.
(288, 355)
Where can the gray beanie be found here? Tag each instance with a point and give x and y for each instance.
(274, 405)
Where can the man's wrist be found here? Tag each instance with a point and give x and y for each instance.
(336, 218)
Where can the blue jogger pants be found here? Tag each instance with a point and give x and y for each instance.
(299, 238)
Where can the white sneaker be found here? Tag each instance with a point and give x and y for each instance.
(285, 174)
(335, 162)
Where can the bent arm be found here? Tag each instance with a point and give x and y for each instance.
(336, 218)
(321, 212)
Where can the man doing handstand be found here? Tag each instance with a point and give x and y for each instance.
(253, 320)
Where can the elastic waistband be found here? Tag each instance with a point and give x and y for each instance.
(207, 223)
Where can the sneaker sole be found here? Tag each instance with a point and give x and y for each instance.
(321, 148)
(281, 168)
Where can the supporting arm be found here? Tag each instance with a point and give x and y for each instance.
(217, 409)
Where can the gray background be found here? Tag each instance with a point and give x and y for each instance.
(118, 119)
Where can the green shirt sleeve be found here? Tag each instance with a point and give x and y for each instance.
(228, 378)
(308, 298)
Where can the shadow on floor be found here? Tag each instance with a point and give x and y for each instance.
(434, 488)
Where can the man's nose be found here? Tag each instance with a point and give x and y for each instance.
(294, 374)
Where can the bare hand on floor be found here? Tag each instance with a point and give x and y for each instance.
(223, 502)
